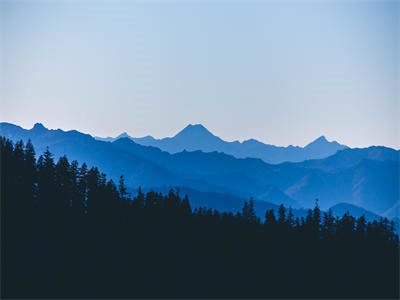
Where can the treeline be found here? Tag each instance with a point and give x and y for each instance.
(68, 231)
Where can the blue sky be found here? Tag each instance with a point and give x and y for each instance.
(283, 72)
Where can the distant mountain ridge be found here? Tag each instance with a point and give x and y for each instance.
(197, 137)
(366, 178)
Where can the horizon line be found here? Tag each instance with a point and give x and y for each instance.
(194, 124)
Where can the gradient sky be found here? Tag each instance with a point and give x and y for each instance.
(283, 72)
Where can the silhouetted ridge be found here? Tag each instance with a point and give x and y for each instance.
(197, 137)
(343, 177)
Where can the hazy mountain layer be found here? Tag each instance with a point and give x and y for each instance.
(364, 177)
(197, 137)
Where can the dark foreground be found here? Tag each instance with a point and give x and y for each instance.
(68, 232)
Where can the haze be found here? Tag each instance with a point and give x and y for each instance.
(281, 72)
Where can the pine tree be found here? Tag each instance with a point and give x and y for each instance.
(46, 184)
(328, 225)
(361, 226)
(249, 213)
(185, 205)
(290, 218)
(245, 211)
(270, 219)
(122, 188)
(94, 206)
(139, 200)
(63, 182)
(316, 219)
(80, 205)
(346, 226)
(30, 178)
(18, 159)
(281, 215)
(75, 196)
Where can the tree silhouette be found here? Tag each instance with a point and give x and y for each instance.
(69, 232)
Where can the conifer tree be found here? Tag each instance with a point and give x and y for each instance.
(316, 219)
(46, 187)
(30, 177)
(281, 215)
(122, 188)
(361, 226)
(139, 200)
(63, 183)
(290, 218)
(185, 205)
(328, 225)
(270, 219)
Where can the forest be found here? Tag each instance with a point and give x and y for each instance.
(68, 231)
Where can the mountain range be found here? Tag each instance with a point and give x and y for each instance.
(363, 177)
(197, 137)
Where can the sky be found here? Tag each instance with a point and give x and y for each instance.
(283, 72)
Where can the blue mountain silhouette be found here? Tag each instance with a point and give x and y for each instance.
(367, 177)
(197, 137)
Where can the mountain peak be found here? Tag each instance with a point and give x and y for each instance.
(123, 135)
(322, 139)
(321, 148)
(195, 129)
(38, 126)
(319, 141)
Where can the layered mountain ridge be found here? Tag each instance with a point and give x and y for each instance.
(366, 178)
(197, 137)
